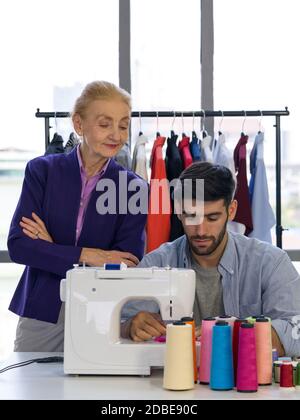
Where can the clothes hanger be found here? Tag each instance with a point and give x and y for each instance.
(172, 127)
(243, 132)
(220, 125)
(203, 130)
(157, 131)
(140, 123)
(182, 122)
(194, 134)
(260, 126)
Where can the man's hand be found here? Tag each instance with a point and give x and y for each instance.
(97, 257)
(146, 325)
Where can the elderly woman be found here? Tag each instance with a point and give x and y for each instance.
(57, 222)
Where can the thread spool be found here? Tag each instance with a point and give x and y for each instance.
(235, 343)
(286, 375)
(297, 378)
(205, 350)
(247, 366)
(263, 351)
(221, 372)
(227, 318)
(190, 321)
(252, 319)
(276, 371)
(274, 355)
(178, 369)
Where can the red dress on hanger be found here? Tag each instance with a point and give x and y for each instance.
(244, 213)
(159, 213)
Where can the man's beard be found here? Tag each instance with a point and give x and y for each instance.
(215, 242)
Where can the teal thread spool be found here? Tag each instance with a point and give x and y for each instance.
(221, 372)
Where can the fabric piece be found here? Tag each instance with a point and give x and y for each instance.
(222, 155)
(195, 148)
(56, 145)
(185, 153)
(123, 157)
(139, 158)
(174, 169)
(72, 142)
(262, 213)
(243, 214)
(158, 221)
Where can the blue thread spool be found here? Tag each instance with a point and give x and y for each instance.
(221, 371)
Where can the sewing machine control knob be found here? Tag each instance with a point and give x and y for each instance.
(63, 290)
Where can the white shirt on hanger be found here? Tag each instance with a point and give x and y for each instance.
(139, 160)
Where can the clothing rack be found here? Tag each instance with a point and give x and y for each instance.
(204, 114)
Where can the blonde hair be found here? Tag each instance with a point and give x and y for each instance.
(99, 90)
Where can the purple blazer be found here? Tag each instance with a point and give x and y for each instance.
(52, 189)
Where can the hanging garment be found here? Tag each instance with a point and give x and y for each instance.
(139, 159)
(262, 213)
(206, 154)
(195, 148)
(123, 157)
(72, 142)
(222, 155)
(243, 214)
(174, 169)
(184, 149)
(158, 222)
(56, 145)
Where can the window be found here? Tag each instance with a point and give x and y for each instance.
(165, 61)
(256, 67)
(50, 52)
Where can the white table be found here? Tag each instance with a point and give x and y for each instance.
(48, 381)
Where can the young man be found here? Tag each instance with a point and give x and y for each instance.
(235, 275)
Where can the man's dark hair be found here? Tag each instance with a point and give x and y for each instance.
(218, 181)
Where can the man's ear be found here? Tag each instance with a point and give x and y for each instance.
(232, 208)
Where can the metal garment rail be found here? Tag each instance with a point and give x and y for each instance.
(205, 114)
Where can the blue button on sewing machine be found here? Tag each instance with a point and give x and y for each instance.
(121, 266)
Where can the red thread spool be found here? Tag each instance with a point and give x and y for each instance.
(286, 375)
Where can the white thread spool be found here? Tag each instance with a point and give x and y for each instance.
(179, 365)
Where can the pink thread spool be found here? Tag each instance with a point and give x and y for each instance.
(263, 338)
(206, 349)
(235, 343)
(247, 367)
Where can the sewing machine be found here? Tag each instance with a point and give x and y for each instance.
(94, 298)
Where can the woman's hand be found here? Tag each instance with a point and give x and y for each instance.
(35, 228)
(97, 257)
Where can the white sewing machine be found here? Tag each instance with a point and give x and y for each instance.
(94, 298)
